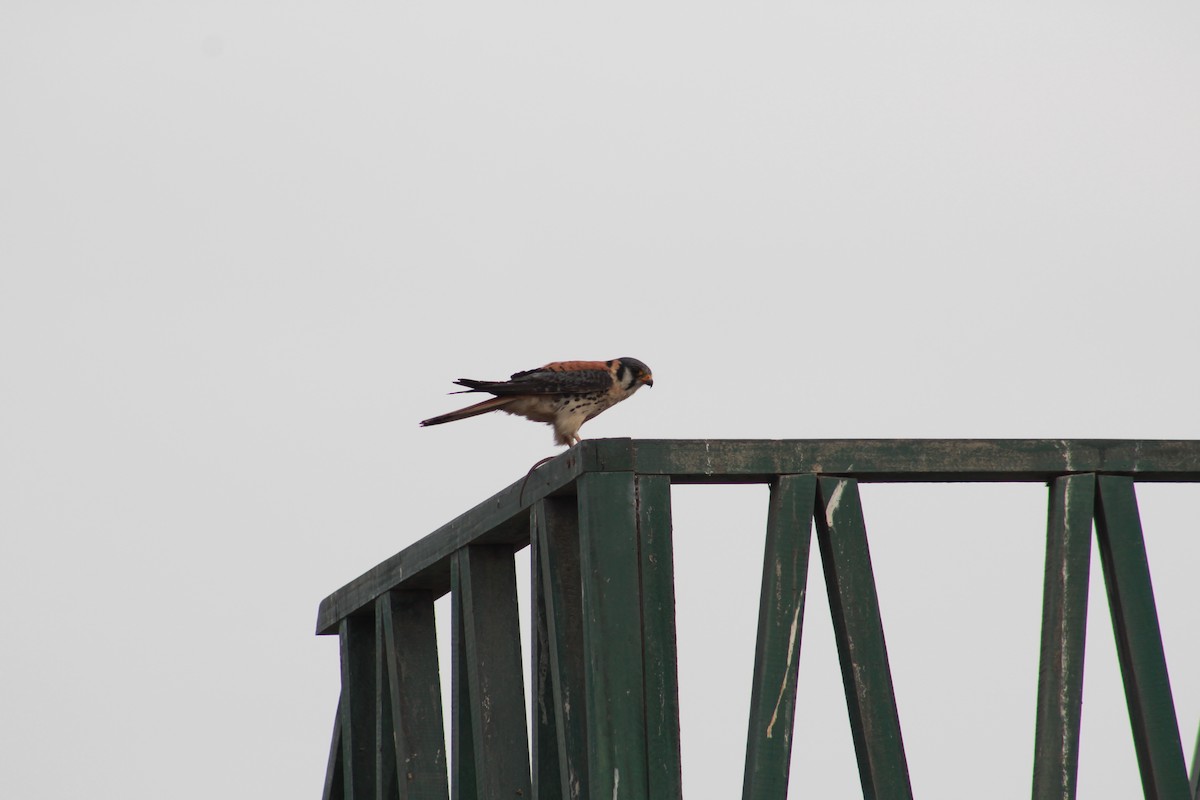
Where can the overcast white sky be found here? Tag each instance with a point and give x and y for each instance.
(246, 246)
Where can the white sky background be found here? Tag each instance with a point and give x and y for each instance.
(245, 247)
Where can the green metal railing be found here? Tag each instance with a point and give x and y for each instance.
(606, 709)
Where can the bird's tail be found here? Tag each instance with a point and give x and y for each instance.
(494, 387)
(491, 404)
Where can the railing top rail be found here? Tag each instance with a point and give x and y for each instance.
(902, 460)
(503, 517)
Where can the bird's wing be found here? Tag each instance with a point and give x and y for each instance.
(560, 377)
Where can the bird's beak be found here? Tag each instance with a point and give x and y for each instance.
(648, 380)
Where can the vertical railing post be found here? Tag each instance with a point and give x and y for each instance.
(560, 708)
(612, 636)
(858, 629)
(547, 770)
(463, 781)
(1064, 622)
(777, 655)
(660, 650)
(386, 786)
(629, 636)
(334, 788)
(358, 707)
(1139, 641)
(412, 698)
(485, 577)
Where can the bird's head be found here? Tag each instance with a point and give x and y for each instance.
(634, 373)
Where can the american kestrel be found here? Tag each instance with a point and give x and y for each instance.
(564, 394)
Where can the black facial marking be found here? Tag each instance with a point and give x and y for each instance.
(636, 366)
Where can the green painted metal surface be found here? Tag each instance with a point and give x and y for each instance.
(495, 683)
(1064, 619)
(386, 779)
(556, 531)
(1139, 642)
(334, 777)
(1195, 775)
(605, 709)
(780, 623)
(612, 636)
(660, 662)
(358, 707)
(463, 781)
(413, 700)
(547, 767)
(858, 630)
(504, 517)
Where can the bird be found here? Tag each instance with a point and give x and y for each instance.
(564, 394)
